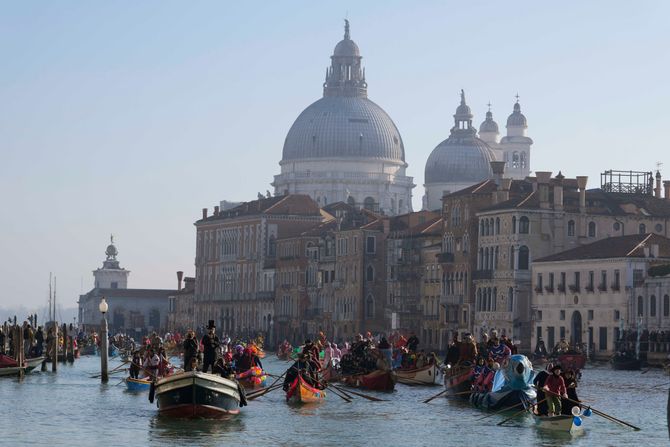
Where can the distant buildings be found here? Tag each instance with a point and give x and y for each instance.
(133, 311)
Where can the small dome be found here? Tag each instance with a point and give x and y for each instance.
(459, 160)
(488, 125)
(346, 47)
(111, 251)
(517, 119)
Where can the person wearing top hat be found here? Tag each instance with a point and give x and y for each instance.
(210, 343)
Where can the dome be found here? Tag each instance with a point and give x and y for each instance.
(111, 250)
(488, 125)
(459, 160)
(517, 118)
(346, 47)
(342, 126)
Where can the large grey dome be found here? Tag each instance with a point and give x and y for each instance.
(342, 126)
(459, 160)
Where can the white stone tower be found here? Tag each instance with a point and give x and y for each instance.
(111, 275)
(515, 147)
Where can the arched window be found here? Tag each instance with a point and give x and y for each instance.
(487, 228)
(592, 229)
(478, 304)
(513, 224)
(272, 246)
(666, 306)
(652, 306)
(571, 228)
(643, 229)
(370, 273)
(481, 227)
(370, 307)
(522, 160)
(495, 299)
(515, 159)
(510, 299)
(497, 225)
(369, 203)
(640, 306)
(524, 225)
(523, 258)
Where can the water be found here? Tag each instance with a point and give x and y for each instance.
(71, 409)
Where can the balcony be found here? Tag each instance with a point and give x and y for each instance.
(490, 317)
(452, 299)
(602, 288)
(482, 274)
(538, 289)
(590, 289)
(549, 289)
(574, 288)
(615, 287)
(561, 288)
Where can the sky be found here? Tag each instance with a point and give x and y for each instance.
(129, 117)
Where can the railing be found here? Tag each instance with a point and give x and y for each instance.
(549, 289)
(489, 316)
(602, 287)
(574, 288)
(398, 179)
(482, 274)
(452, 299)
(561, 288)
(615, 287)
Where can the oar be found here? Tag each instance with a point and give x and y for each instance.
(519, 412)
(435, 396)
(364, 396)
(337, 393)
(501, 411)
(264, 392)
(600, 413)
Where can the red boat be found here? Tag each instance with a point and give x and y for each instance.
(458, 382)
(376, 380)
(572, 361)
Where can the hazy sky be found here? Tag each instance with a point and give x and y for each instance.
(129, 117)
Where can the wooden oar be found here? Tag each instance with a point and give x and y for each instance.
(364, 396)
(263, 392)
(519, 412)
(435, 396)
(337, 393)
(600, 413)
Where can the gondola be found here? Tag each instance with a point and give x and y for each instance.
(512, 385)
(137, 385)
(196, 394)
(300, 392)
(377, 380)
(458, 382)
(626, 363)
(426, 375)
(574, 361)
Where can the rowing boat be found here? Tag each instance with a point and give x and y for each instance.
(426, 375)
(458, 382)
(196, 394)
(138, 384)
(377, 380)
(561, 422)
(300, 392)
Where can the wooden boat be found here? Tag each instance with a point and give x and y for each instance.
(626, 363)
(572, 361)
(563, 423)
(138, 384)
(376, 380)
(458, 382)
(426, 375)
(196, 394)
(10, 371)
(33, 363)
(300, 392)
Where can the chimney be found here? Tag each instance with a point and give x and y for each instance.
(204, 213)
(180, 275)
(498, 169)
(657, 190)
(558, 191)
(216, 210)
(505, 186)
(543, 178)
(666, 186)
(581, 184)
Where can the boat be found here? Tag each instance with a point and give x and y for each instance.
(138, 384)
(252, 379)
(575, 361)
(89, 350)
(562, 422)
(377, 380)
(33, 363)
(426, 375)
(331, 372)
(10, 371)
(300, 392)
(512, 385)
(196, 394)
(458, 382)
(625, 362)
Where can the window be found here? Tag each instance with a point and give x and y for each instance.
(551, 281)
(561, 285)
(578, 282)
(602, 345)
(370, 307)
(590, 314)
(666, 306)
(642, 229)
(659, 228)
(370, 273)
(114, 285)
(617, 280)
(523, 258)
(617, 315)
(497, 225)
(370, 244)
(355, 244)
(551, 338)
(603, 281)
(513, 224)
(524, 225)
(538, 334)
(510, 299)
(591, 286)
(562, 331)
(272, 247)
(539, 315)
(640, 306)
(592, 229)
(562, 317)
(571, 228)
(616, 226)
(652, 306)
(369, 203)
(539, 283)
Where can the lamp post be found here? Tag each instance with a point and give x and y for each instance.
(104, 338)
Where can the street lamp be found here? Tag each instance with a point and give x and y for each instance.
(103, 307)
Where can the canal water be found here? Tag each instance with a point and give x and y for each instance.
(71, 409)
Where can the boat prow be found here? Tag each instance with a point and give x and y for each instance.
(426, 375)
(301, 392)
(197, 394)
